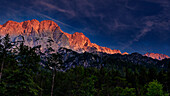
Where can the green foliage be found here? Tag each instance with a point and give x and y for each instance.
(118, 91)
(85, 88)
(20, 68)
(154, 89)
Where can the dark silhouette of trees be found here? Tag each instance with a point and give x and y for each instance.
(27, 71)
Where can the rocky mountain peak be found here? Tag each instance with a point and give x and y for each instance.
(47, 25)
(34, 21)
(26, 27)
(125, 53)
(156, 56)
(10, 23)
(33, 29)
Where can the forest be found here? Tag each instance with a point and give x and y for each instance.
(27, 71)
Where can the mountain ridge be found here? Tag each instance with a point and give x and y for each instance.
(47, 28)
(156, 56)
(33, 30)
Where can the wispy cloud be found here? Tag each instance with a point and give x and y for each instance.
(53, 7)
(129, 7)
(118, 24)
(142, 33)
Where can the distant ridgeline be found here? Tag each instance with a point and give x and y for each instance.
(99, 60)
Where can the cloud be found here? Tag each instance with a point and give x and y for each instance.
(142, 33)
(149, 23)
(118, 24)
(129, 7)
(81, 8)
(53, 7)
(158, 23)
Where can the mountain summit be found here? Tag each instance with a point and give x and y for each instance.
(156, 56)
(37, 33)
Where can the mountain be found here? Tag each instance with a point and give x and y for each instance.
(38, 33)
(99, 59)
(156, 56)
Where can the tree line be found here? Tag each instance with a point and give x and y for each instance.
(26, 71)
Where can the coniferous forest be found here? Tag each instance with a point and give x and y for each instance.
(27, 71)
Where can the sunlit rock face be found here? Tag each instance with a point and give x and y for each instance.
(156, 56)
(80, 43)
(37, 33)
(125, 53)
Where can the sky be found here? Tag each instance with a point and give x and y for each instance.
(128, 25)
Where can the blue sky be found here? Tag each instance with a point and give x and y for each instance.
(128, 25)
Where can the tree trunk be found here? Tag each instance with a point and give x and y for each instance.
(41, 92)
(53, 79)
(2, 66)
